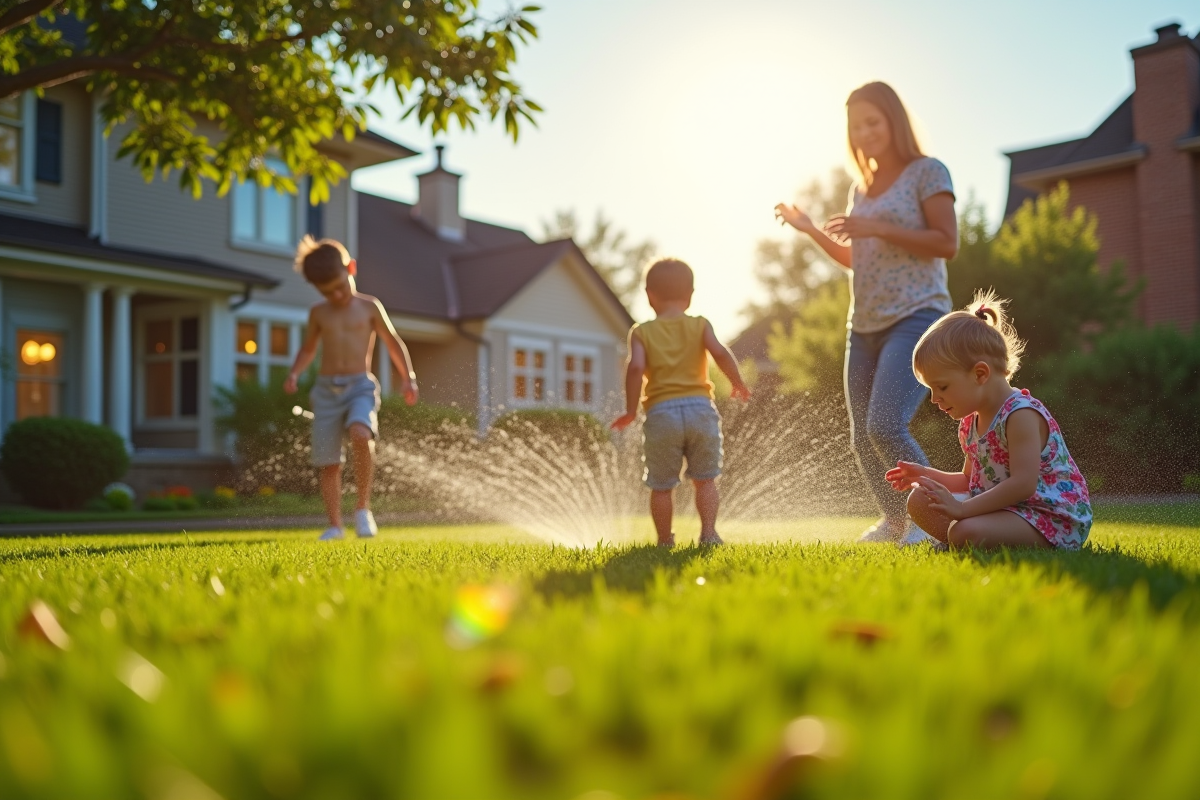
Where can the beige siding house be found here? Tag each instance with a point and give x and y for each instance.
(129, 303)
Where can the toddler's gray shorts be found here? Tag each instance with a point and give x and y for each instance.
(674, 430)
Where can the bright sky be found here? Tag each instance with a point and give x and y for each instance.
(686, 122)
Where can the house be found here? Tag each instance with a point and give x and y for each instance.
(128, 303)
(506, 322)
(1139, 172)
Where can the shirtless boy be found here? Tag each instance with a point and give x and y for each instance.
(345, 398)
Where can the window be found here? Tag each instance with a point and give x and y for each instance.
(48, 159)
(16, 166)
(579, 374)
(529, 364)
(171, 368)
(264, 216)
(39, 374)
(264, 349)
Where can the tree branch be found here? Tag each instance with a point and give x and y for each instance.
(23, 12)
(69, 69)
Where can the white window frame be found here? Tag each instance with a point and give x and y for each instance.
(262, 358)
(257, 245)
(157, 313)
(579, 352)
(547, 374)
(24, 191)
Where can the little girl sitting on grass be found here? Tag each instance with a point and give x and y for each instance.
(1019, 487)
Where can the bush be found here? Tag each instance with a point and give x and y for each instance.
(1129, 408)
(557, 423)
(398, 418)
(60, 463)
(158, 503)
(117, 499)
(273, 441)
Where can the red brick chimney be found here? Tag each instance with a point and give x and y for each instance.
(1165, 101)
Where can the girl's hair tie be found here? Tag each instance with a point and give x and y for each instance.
(986, 314)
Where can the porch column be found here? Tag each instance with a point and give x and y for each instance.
(93, 353)
(3, 344)
(216, 369)
(383, 371)
(120, 374)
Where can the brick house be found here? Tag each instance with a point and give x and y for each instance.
(1139, 172)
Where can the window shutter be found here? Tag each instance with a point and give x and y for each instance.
(314, 219)
(49, 141)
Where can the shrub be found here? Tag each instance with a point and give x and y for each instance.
(119, 497)
(118, 500)
(60, 463)
(556, 423)
(1128, 408)
(273, 441)
(158, 503)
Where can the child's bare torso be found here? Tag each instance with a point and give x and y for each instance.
(347, 335)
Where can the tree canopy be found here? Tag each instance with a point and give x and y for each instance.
(274, 77)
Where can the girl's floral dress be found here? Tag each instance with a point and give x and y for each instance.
(1060, 509)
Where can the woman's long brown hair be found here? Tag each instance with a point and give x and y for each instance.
(883, 97)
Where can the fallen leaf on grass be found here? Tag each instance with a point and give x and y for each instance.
(502, 672)
(806, 742)
(867, 633)
(40, 623)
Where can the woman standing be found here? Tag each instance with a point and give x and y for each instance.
(894, 240)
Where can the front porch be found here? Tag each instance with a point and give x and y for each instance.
(138, 344)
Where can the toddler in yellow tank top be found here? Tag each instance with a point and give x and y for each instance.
(667, 374)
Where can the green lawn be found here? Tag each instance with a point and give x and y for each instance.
(249, 665)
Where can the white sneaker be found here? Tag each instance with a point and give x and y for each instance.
(332, 534)
(364, 523)
(879, 533)
(915, 536)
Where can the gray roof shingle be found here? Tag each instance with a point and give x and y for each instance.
(414, 271)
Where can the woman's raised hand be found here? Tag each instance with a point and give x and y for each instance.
(843, 228)
(795, 217)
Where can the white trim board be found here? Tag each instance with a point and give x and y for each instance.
(509, 326)
(96, 269)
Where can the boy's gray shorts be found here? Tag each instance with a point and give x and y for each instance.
(339, 401)
(674, 430)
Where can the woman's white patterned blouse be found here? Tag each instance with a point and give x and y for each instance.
(889, 283)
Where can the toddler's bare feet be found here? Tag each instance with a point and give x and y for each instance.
(667, 541)
(710, 539)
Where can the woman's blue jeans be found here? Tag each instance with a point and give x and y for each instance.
(883, 395)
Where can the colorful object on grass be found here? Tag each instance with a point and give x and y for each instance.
(480, 613)
(177, 491)
(40, 623)
(225, 491)
(266, 491)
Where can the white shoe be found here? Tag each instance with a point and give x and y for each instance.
(332, 534)
(914, 536)
(879, 533)
(364, 523)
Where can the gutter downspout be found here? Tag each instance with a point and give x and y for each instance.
(485, 376)
(245, 298)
